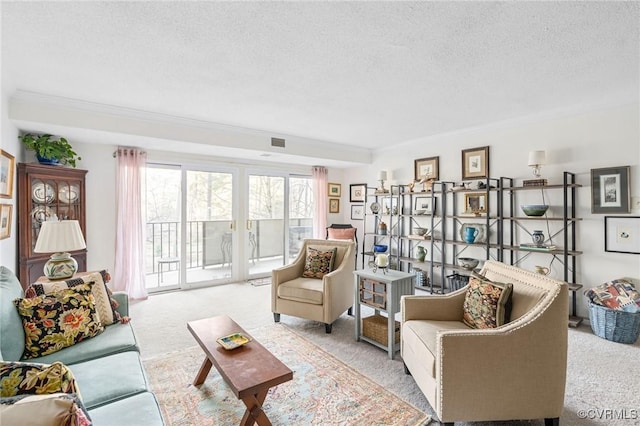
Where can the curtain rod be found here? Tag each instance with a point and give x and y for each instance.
(115, 153)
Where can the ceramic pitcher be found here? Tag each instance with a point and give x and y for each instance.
(470, 234)
(421, 253)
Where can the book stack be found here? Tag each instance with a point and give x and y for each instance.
(534, 182)
(537, 247)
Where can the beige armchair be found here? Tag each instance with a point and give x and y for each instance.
(516, 371)
(322, 300)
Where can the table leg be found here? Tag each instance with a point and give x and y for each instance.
(254, 412)
(203, 372)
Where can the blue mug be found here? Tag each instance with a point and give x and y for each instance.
(470, 234)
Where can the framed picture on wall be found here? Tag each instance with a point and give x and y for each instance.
(427, 168)
(475, 163)
(610, 190)
(334, 189)
(424, 205)
(357, 192)
(334, 205)
(622, 234)
(357, 212)
(5, 220)
(7, 166)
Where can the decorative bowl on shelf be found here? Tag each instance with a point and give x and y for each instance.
(419, 211)
(380, 248)
(420, 231)
(534, 209)
(468, 262)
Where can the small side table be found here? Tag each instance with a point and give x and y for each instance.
(381, 291)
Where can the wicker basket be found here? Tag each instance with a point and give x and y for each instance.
(375, 328)
(614, 325)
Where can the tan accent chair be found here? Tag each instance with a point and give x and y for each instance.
(322, 300)
(513, 372)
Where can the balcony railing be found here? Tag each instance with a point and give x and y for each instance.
(208, 243)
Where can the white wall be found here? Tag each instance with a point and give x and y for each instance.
(575, 143)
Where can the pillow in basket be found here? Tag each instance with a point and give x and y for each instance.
(616, 294)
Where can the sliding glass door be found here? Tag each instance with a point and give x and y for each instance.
(202, 230)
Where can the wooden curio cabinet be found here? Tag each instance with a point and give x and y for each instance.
(44, 191)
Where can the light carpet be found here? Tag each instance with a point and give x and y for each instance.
(323, 391)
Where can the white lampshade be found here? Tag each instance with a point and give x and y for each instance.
(536, 158)
(59, 238)
(383, 175)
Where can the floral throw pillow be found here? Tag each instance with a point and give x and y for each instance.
(27, 378)
(58, 320)
(318, 262)
(107, 314)
(487, 304)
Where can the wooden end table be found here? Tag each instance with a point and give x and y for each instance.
(250, 370)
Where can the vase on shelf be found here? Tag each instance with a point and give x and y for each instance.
(421, 253)
(537, 237)
(382, 228)
(470, 234)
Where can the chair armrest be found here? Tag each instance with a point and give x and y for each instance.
(438, 307)
(123, 302)
(286, 273)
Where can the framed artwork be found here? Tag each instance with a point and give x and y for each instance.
(610, 190)
(475, 202)
(7, 166)
(427, 167)
(357, 212)
(475, 163)
(357, 192)
(622, 234)
(334, 189)
(5, 220)
(334, 205)
(424, 205)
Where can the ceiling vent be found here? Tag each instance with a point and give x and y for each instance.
(277, 142)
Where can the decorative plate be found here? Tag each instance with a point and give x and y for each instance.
(482, 231)
(69, 194)
(41, 213)
(375, 208)
(43, 193)
(233, 341)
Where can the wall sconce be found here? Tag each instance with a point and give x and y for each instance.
(536, 160)
(381, 178)
(60, 237)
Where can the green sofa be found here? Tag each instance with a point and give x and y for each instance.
(107, 367)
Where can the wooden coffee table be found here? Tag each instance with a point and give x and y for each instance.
(250, 370)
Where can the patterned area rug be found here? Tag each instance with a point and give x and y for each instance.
(324, 391)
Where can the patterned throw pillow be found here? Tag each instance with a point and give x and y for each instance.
(104, 305)
(58, 320)
(56, 409)
(318, 262)
(26, 378)
(487, 304)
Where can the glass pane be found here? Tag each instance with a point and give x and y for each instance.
(162, 248)
(209, 218)
(300, 213)
(266, 213)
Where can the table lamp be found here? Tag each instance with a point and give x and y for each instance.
(60, 237)
(381, 178)
(535, 161)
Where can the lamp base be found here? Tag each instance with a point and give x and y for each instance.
(60, 266)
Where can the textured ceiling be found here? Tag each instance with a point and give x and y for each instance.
(367, 74)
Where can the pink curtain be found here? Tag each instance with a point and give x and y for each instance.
(320, 201)
(129, 265)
